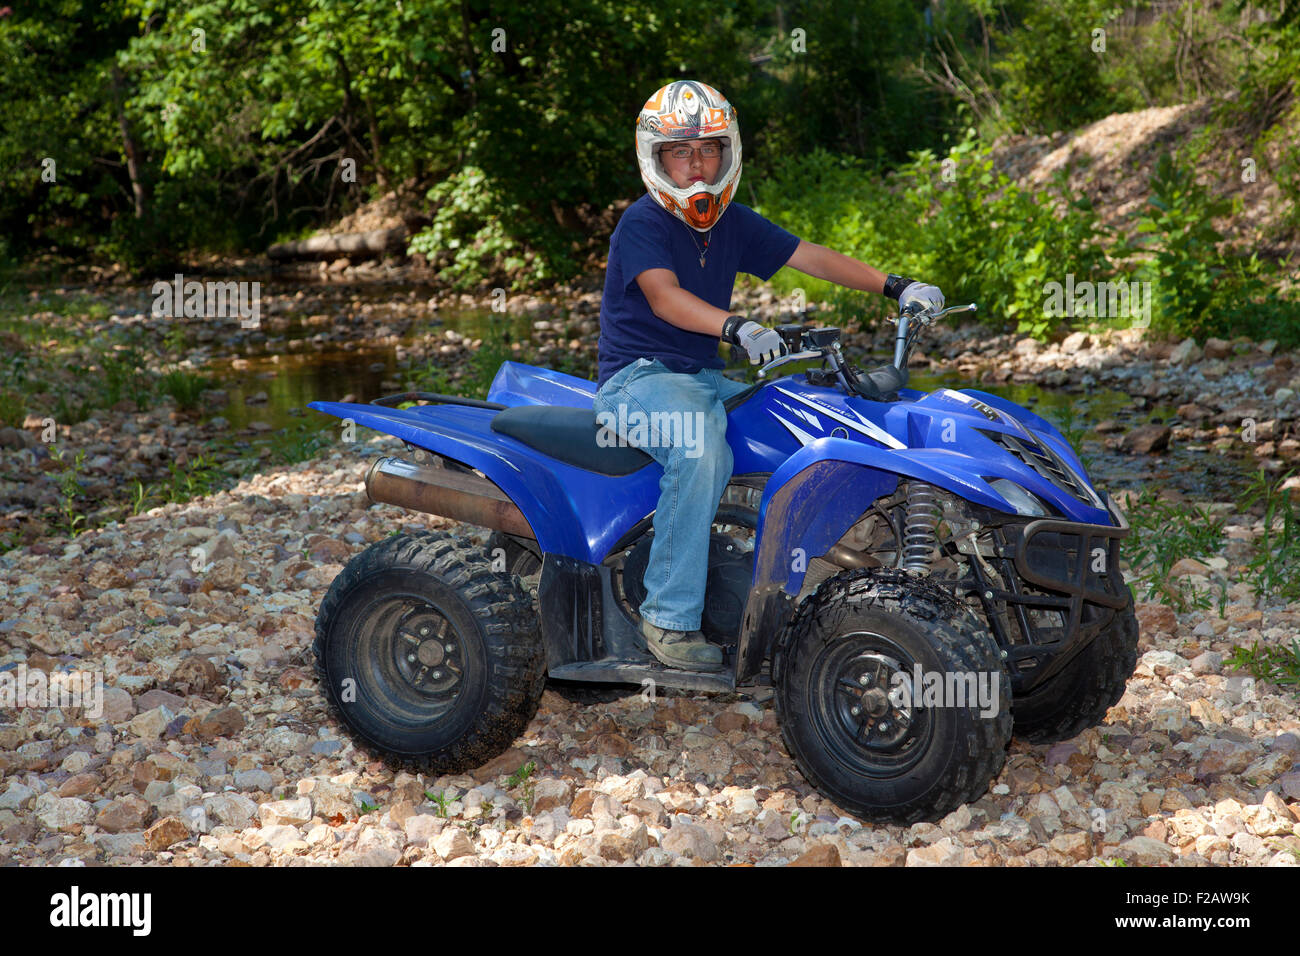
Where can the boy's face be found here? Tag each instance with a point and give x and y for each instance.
(693, 168)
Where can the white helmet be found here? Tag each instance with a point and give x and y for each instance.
(687, 109)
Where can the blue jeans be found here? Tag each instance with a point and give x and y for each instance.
(692, 448)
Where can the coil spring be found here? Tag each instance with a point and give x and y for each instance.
(920, 527)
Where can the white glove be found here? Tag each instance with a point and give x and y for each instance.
(762, 344)
(919, 297)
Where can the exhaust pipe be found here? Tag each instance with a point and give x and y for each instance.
(461, 496)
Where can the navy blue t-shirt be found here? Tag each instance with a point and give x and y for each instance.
(649, 237)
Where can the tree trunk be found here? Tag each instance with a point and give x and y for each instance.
(139, 189)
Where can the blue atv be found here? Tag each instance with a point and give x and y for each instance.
(913, 574)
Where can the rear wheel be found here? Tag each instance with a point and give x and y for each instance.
(428, 655)
(857, 723)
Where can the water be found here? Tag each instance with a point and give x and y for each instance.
(325, 349)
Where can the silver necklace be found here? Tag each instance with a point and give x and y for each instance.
(703, 252)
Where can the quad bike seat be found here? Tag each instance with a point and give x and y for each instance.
(569, 435)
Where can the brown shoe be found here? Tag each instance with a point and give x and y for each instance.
(686, 649)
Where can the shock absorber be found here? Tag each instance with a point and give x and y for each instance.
(920, 528)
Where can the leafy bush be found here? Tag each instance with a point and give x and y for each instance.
(954, 221)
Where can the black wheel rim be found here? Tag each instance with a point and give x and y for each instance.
(863, 719)
(412, 659)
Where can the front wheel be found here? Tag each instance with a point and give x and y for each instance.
(892, 696)
(427, 654)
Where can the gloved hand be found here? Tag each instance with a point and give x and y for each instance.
(913, 296)
(762, 344)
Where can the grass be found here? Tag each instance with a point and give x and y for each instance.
(70, 490)
(1275, 567)
(183, 386)
(301, 442)
(1163, 534)
(1277, 665)
(524, 776)
(440, 800)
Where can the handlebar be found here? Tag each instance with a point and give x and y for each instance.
(818, 345)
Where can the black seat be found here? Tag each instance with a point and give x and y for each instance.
(568, 435)
(886, 380)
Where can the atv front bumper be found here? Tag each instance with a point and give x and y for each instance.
(1063, 585)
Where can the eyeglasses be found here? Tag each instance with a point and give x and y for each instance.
(707, 151)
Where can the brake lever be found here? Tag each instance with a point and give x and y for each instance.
(785, 359)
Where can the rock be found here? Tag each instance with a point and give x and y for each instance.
(1146, 439)
(1184, 352)
(452, 844)
(79, 785)
(1217, 349)
(1164, 663)
(58, 813)
(1075, 845)
(1144, 851)
(621, 846)
(1074, 342)
(118, 705)
(506, 763)
(422, 828)
(279, 836)
(1268, 768)
(689, 840)
(231, 809)
(15, 795)
(255, 779)
(1208, 662)
(165, 833)
(823, 854)
(513, 854)
(1290, 784)
(224, 575)
(1156, 619)
(224, 722)
(550, 793)
(1227, 757)
(150, 724)
(940, 853)
(289, 812)
(121, 816)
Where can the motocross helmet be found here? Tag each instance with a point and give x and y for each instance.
(682, 110)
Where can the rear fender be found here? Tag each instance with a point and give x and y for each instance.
(519, 384)
(463, 433)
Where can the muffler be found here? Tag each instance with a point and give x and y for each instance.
(461, 496)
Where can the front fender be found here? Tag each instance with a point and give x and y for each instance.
(810, 501)
(463, 433)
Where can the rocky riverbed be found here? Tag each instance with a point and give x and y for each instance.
(214, 746)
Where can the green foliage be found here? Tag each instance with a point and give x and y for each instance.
(13, 409)
(1163, 534)
(124, 376)
(301, 442)
(183, 386)
(954, 221)
(1275, 567)
(1277, 665)
(69, 481)
(1051, 76)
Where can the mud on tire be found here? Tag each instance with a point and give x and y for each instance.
(428, 656)
(1091, 684)
(888, 762)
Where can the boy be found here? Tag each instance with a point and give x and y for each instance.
(672, 266)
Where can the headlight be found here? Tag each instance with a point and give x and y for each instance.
(1025, 502)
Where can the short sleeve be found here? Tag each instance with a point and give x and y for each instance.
(643, 244)
(767, 248)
